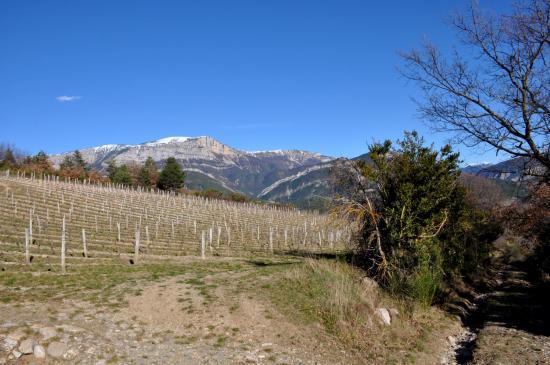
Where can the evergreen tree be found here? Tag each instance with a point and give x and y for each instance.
(171, 177)
(148, 174)
(40, 158)
(39, 163)
(122, 176)
(9, 158)
(74, 166)
(111, 169)
(79, 161)
(67, 163)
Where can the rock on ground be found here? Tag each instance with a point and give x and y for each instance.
(39, 351)
(57, 349)
(26, 346)
(383, 315)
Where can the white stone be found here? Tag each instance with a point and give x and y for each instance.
(26, 346)
(251, 360)
(9, 344)
(16, 354)
(57, 349)
(383, 315)
(39, 351)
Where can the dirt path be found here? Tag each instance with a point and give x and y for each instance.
(511, 324)
(186, 319)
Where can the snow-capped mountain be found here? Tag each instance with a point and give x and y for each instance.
(208, 162)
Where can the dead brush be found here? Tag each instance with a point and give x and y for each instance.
(333, 294)
(335, 290)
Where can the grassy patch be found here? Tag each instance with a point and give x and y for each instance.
(100, 284)
(220, 341)
(185, 340)
(331, 293)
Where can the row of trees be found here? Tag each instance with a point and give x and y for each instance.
(73, 166)
(171, 177)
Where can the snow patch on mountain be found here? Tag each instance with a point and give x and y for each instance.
(477, 164)
(267, 151)
(108, 147)
(167, 140)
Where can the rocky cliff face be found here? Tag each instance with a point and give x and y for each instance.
(208, 162)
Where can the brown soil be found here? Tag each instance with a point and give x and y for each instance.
(172, 321)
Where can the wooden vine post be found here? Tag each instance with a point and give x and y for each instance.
(136, 246)
(63, 271)
(271, 239)
(203, 246)
(27, 255)
(84, 246)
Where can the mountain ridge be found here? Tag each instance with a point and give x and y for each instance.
(207, 161)
(287, 176)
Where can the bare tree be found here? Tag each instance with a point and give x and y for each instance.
(10, 151)
(500, 95)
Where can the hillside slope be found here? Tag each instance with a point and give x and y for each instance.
(209, 162)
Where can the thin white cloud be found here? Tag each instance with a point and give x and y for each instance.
(66, 98)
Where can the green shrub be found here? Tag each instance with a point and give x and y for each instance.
(415, 228)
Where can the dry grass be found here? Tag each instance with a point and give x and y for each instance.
(332, 293)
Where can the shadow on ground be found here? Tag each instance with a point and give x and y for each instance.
(343, 256)
(517, 301)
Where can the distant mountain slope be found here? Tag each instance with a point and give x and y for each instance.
(208, 162)
(306, 188)
(311, 187)
(293, 176)
(476, 168)
(511, 170)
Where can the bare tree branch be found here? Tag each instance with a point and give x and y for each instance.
(500, 97)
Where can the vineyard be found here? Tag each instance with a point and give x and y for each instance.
(58, 224)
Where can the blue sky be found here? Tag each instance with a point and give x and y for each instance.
(286, 74)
